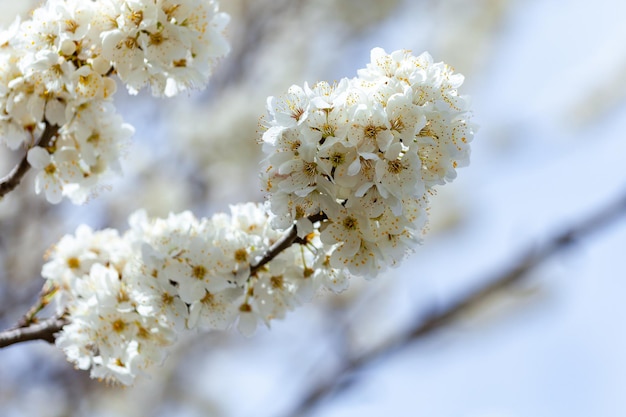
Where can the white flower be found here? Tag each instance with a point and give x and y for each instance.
(335, 279)
(290, 110)
(13, 134)
(346, 233)
(100, 134)
(26, 102)
(275, 291)
(397, 236)
(48, 69)
(443, 146)
(215, 310)
(289, 207)
(90, 85)
(74, 18)
(55, 170)
(370, 130)
(301, 175)
(371, 204)
(324, 123)
(406, 119)
(124, 51)
(248, 318)
(338, 159)
(151, 287)
(398, 173)
(194, 270)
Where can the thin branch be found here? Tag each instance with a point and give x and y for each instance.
(286, 241)
(43, 330)
(440, 319)
(45, 296)
(13, 178)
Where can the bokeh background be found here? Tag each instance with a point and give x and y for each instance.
(548, 81)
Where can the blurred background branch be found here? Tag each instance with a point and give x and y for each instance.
(437, 320)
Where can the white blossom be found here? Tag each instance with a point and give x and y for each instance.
(54, 170)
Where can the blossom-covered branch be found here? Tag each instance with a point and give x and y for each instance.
(349, 171)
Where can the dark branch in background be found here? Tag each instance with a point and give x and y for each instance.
(43, 330)
(258, 21)
(340, 381)
(286, 241)
(12, 180)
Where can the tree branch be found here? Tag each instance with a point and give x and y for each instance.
(338, 382)
(44, 330)
(283, 243)
(13, 178)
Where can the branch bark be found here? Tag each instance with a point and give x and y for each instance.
(13, 178)
(286, 241)
(438, 320)
(43, 330)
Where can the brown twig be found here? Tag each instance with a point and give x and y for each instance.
(45, 296)
(13, 178)
(286, 241)
(440, 319)
(43, 330)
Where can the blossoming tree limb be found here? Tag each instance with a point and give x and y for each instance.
(349, 171)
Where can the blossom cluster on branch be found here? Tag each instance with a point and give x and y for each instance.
(127, 296)
(55, 70)
(349, 170)
(366, 152)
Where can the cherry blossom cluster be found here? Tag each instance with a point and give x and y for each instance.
(108, 332)
(126, 297)
(366, 152)
(55, 73)
(349, 171)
